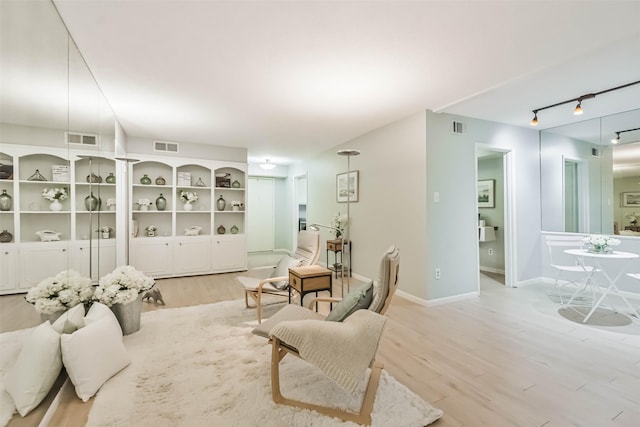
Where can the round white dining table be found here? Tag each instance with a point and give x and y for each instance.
(611, 271)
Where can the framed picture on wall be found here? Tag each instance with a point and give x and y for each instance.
(347, 183)
(630, 199)
(486, 193)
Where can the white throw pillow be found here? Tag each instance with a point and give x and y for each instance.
(70, 321)
(92, 355)
(36, 368)
(99, 311)
(282, 270)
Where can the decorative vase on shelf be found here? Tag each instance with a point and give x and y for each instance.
(111, 179)
(128, 315)
(234, 229)
(5, 201)
(5, 237)
(161, 203)
(160, 181)
(221, 203)
(55, 205)
(145, 180)
(222, 230)
(92, 203)
(94, 179)
(235, 184)
(188, 206)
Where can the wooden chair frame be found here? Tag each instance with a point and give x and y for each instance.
(278, 352)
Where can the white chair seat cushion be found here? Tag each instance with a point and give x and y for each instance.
(38, 365)
(288, 312)
(342, 350)
(92, 355)
(251, 284)
(575, 268)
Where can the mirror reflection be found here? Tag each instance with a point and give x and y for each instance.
(589, 184)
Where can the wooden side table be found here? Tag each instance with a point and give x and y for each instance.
(335, 246)
(312, 278)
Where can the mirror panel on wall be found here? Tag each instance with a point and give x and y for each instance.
(588, 183)
(47, 93)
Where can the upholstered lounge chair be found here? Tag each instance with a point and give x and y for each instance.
(307, 253)
(342, 349)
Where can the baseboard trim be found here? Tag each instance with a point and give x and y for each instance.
(438, 301)
(492, 270)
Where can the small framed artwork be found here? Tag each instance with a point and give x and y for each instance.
(630, 199)
(486, 193)
(347, 185)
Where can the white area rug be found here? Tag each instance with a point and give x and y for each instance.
(201, 366)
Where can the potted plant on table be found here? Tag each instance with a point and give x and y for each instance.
(54, 295)
(121, 290)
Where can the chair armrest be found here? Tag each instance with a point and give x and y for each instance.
(323, 299)
(269, 280)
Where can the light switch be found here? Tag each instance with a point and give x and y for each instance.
(436, 196)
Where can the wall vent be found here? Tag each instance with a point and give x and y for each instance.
(457, 127)
(595, 152)
(83, 139)
(165, 147)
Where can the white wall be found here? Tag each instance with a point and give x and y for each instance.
(391, 206)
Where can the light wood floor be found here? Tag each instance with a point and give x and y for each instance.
(505, 358)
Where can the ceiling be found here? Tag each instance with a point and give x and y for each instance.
(290, 79)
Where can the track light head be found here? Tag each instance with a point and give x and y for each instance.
(534, 121)
(578, 110)
(616, 139)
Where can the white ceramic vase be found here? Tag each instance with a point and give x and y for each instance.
(188, 206)
(55, 205)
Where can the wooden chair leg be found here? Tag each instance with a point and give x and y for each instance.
(362, 417)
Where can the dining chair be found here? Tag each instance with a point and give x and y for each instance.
(568, 270)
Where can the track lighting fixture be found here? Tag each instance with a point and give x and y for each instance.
(617, 138)
(578, 110)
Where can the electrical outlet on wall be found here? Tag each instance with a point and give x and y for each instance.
(490, 251)
(437, 273)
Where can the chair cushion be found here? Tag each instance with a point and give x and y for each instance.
(282, 270)
(381, 286)
(359, 299)
(288, 312)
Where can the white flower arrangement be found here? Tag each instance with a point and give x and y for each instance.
(600, 243)
(188, 196)
(339, 222)
(236, 203)
(144, 202)
(632, 217)
(111, 202)
(52, 194)
(122, 286)
(61, 292)
(151, 228)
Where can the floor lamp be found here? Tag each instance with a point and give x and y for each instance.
(348, 153)
(316, 227)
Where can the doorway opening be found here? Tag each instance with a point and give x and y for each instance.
(495, 212)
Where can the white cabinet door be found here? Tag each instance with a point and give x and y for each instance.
(192, 255)
(152, 256)
(229, 253)
(8, 267)
(103, 258)
(41, 260)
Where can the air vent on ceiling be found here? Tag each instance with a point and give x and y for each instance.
(166, 147)
(457, 127)
(81, 139)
